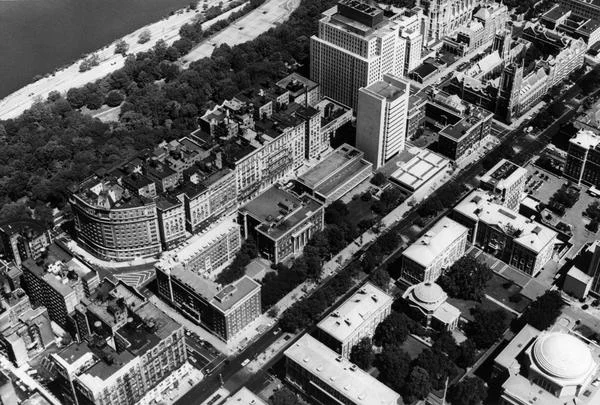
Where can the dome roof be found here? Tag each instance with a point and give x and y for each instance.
(562, 355)
(429, 293)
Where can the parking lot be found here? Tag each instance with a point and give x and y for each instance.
(542, 185)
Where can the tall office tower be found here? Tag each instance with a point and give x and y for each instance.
(446, 16)
(508, 93)
(354, 47)
(381, 119)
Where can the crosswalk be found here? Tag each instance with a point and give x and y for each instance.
(136, 278)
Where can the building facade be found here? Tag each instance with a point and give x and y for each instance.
(355, 319)
(281, 222)
(583, 159)
(427, 258)
(515, 239)
(447, 16)
(210, 251)
(20, 240)
(381, 119)
(328, 378)
(225, 311)
(354, 47)
(506, 181)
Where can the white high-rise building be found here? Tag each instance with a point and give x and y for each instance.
(381, 119)
(354, 47)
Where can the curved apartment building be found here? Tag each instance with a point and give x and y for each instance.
(114, 223)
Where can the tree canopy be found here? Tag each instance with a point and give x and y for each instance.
(392, 330)
(466, 278)
(470, 391)
(393, 364)
(542, 312)
(487, 327)
(362, 354)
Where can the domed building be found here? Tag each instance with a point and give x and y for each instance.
(428, 300)
(549, 368)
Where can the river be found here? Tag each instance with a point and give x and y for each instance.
(38, 36)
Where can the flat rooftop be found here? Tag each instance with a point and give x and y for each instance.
(345, 377)
(586, 139)
(244, 397)
(503, 174)
(205, 239)
(480, 206)
(435, 241)
(280, 211)
(338, 167)
(296, 83)
(356, 311)
(385, 90)
(419, 169)
(234, 293)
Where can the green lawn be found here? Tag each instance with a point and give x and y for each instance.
(502, 290)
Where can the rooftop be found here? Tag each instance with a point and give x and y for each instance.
(296, 83)
(280, 211)
(333, 171)
(355, 311)
(146, 328)
(586, 139)
(463, 127)
(480, 206)
(234, 293)
(419, 169)
(504, 173)
(435, 241)
(388, 90)
(204, 239)
(244, 397)
(345, 377)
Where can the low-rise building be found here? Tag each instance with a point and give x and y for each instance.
(23, 239)
(428, 302)
(465, 136)
(223, 310)
(515, 239)
(506, 181)
(421, 172)
(302, 90)
(333, 115)
(355, 319)
(570, 23)
(323, 374)
(244, 397)
(281, 222)
(209, 251)
(436, 250)
(334, 176)
(550, 368)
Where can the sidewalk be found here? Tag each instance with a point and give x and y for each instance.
(88, 257)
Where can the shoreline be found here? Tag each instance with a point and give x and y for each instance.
(69, 76)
